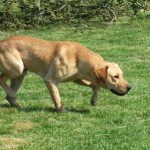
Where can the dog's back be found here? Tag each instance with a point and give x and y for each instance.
(40, 56)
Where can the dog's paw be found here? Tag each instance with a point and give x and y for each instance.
(13, 103)
(93, 102)
(61, 109)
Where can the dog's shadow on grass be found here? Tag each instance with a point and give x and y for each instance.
(53, 110)
(77, 110)
(5, 106)
(29, 109)
(38, 109)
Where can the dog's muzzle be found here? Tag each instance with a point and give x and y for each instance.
(128, 88)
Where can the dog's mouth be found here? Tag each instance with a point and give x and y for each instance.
(116, 93)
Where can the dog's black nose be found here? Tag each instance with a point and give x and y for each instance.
(128, 87)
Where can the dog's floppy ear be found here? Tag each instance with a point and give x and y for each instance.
(101, 73)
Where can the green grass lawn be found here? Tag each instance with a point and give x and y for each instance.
(116, 123)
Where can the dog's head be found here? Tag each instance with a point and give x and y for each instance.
(111, 77)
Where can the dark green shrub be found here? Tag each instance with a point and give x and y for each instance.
(16, 14)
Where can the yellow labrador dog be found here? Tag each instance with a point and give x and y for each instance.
(56, 62)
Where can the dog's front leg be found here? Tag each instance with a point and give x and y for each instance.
(95, 90)
(54, 92)
(94, 96)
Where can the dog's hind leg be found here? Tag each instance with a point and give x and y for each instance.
(9, 91)
(95, 90)
(12, 68)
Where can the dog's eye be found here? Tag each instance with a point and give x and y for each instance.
(116, 77)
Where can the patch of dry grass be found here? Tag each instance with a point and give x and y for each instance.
(9, 142)
(23, 125)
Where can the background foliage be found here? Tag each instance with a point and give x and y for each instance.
(16, 14)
